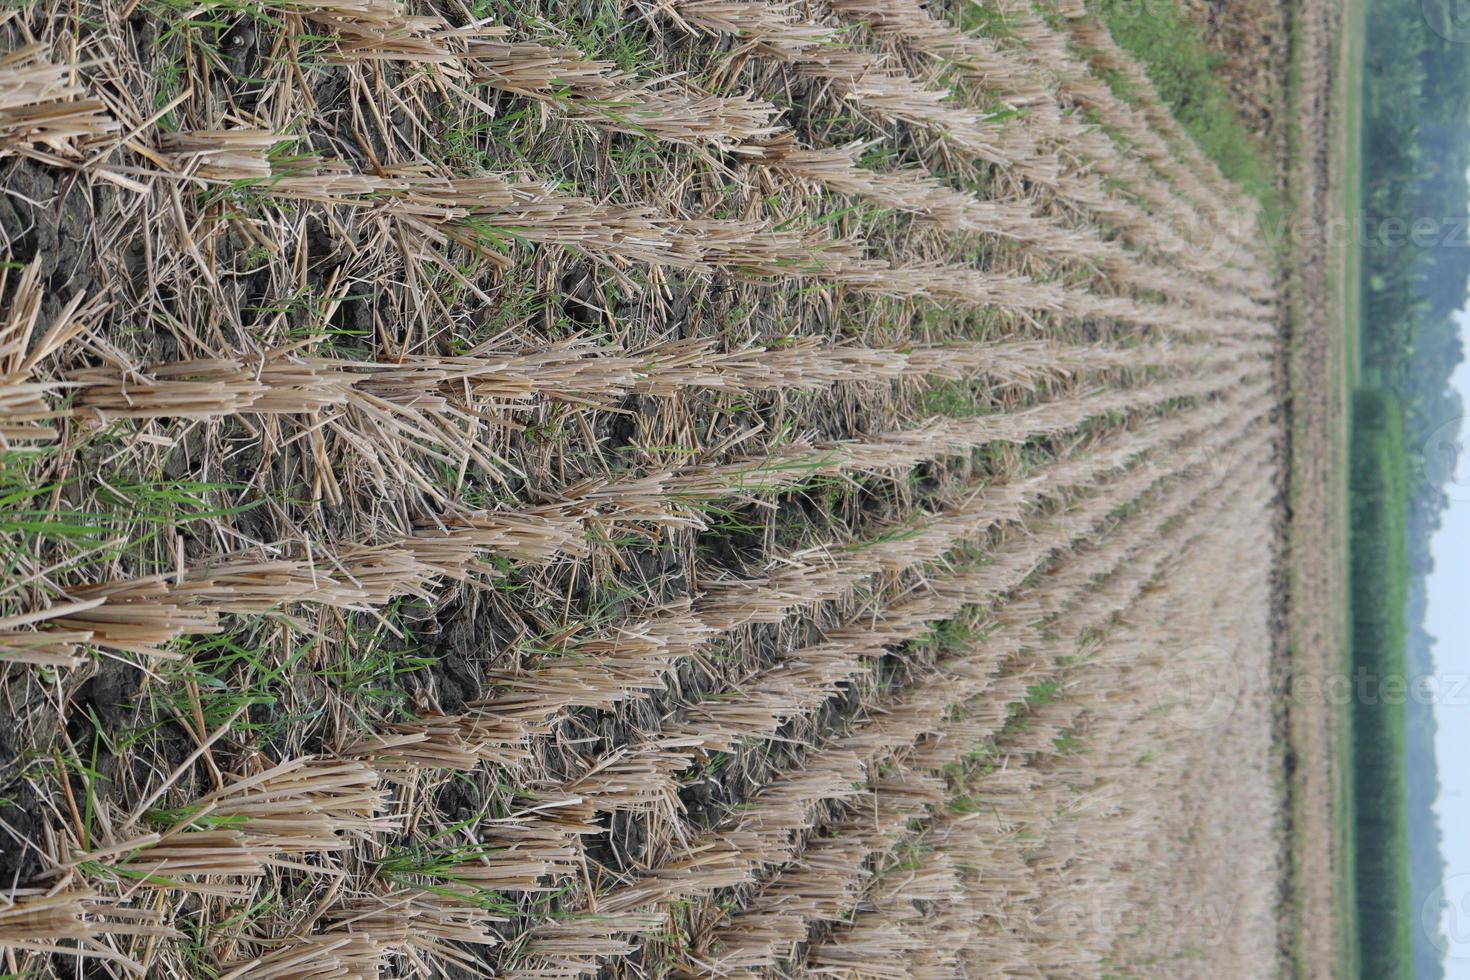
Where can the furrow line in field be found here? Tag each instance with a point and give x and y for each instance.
(488, 213)
(1036, 860)
(1001, 72)
(873, 83)
(497, 385)
(912, 189)
(805, 678)
(598, 93)
(603, 672)
(407, 419)
(222, 845)
(730, 854)
(634, 659)
(1093, 37)
(142, 615)
(825, 884)
(772, 916)
(1110, 684)
(1048, 49)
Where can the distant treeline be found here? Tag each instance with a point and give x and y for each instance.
(1416, 262)
(1379, 576)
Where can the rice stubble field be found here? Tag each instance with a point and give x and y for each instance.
(706, 488)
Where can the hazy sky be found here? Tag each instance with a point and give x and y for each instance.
(1449, 623)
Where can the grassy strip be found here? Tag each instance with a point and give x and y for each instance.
(1379, 596)
(1185, 71)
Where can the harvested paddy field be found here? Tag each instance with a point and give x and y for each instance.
(697, 488)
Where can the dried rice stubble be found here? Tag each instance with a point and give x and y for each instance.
(729, 858)
(825, 890)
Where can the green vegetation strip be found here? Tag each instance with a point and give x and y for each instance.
(1379, 592)
(1186, 73)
